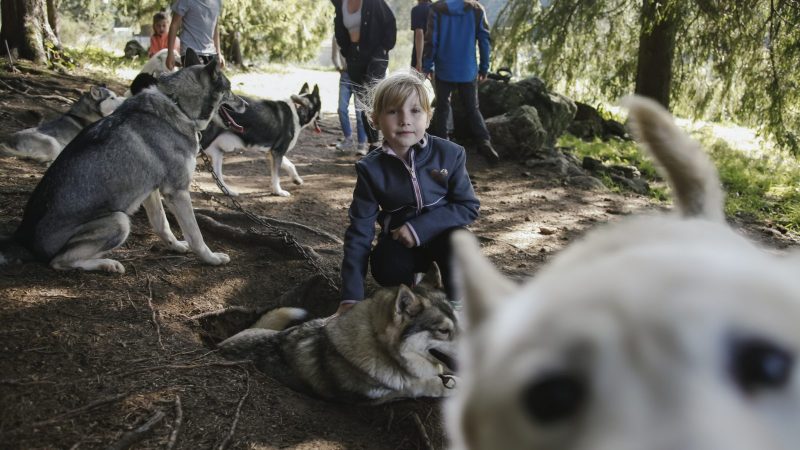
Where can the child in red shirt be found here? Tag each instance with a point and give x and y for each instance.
(158, 40)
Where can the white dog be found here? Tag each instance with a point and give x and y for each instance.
(157, 64)
(658, 333)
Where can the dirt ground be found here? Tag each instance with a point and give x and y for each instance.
(87, 357)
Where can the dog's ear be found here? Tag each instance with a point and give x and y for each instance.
(191, 58)
(304, 89)
(482, 286)
(406, 303)
(433, 278)
(315, 92)
(213, 67)
(96, 92)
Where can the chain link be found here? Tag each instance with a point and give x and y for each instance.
(284, 235)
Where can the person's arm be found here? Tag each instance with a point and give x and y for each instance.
(336, 55)
(339, 31)
(484, 45)
(217, 46)
(358, 237)
(462, 208)
(389, 27)
(429, 51)
(177, 20)
(419, 43)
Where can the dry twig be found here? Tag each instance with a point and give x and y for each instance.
(153, 311)
(82, 409)
(176, 426)
(132, 437)
(423, 433)
(28, 94)
(225, 442)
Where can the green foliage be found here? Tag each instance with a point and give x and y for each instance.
(762, 188)
(734, 60)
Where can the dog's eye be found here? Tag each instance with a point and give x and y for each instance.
(760, 364)
(555, 397)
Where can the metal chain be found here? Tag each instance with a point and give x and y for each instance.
(282, 234)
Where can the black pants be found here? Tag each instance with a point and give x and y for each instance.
(393, 264)
(468, 93)
(364, 72)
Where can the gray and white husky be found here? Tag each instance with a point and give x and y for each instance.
(265, 125)
(396, 344)
(80, 209)
(661, 332)
(44, 142)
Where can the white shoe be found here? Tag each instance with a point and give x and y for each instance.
(361, 149)
(345, 145)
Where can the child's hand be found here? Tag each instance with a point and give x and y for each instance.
(404, 236)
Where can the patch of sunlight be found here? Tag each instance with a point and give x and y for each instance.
(522, 238)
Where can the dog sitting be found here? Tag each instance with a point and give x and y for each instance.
(80, 209)
(44, 142)
(393, 345)
(665, 332)
(267, 126)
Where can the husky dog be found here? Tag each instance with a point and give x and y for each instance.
(391, 346)
(665, 332)
(147, 147)
(268, 126)
(45, 142)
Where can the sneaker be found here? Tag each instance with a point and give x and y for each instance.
(487, 151)
(345, 145)
(361, 149)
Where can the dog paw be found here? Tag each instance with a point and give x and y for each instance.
(298, 181)
(111, 265)
(282, 193)
(179, 247)
(216, 259)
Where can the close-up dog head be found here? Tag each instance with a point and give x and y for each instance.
(660, 332)
(308, 105)
(198, 90)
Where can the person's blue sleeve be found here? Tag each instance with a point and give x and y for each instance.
(484, 43)
(358, 237)
(429, 50)
(462, 208)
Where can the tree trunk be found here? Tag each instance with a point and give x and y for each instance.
(656, 50)
(52, 17)
(26, 29)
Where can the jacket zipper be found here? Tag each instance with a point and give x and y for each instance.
(414, 182)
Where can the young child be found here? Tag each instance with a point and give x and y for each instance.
(158, 40)
(415, 186)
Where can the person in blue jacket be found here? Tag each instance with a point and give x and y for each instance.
(454, 28)
(415, 186)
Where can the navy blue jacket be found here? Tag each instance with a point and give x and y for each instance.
(433, 195)
(454, 27)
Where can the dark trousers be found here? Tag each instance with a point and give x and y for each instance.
(393, 264)
(365, 72)
(468, 93)
(205, 59)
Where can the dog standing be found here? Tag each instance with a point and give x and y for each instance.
(380, 350)
(665, 332)
(80, 209)
(267, 126)
(45, 142)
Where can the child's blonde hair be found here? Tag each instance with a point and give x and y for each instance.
(392, 92)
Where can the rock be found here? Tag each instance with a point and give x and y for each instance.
(547, 231)
(631, 172)
(593, 164)
(518, 134)
(555, 165)
(638, 185)
(587, 182)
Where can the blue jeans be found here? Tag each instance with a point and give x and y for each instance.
(346, 91)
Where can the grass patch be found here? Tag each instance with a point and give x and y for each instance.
(764, 188)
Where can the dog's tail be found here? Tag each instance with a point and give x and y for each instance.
(688, 168)
(281, 318)
(11, 252)
(32, 155)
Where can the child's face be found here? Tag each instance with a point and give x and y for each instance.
(160, 27)
(405, 125)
